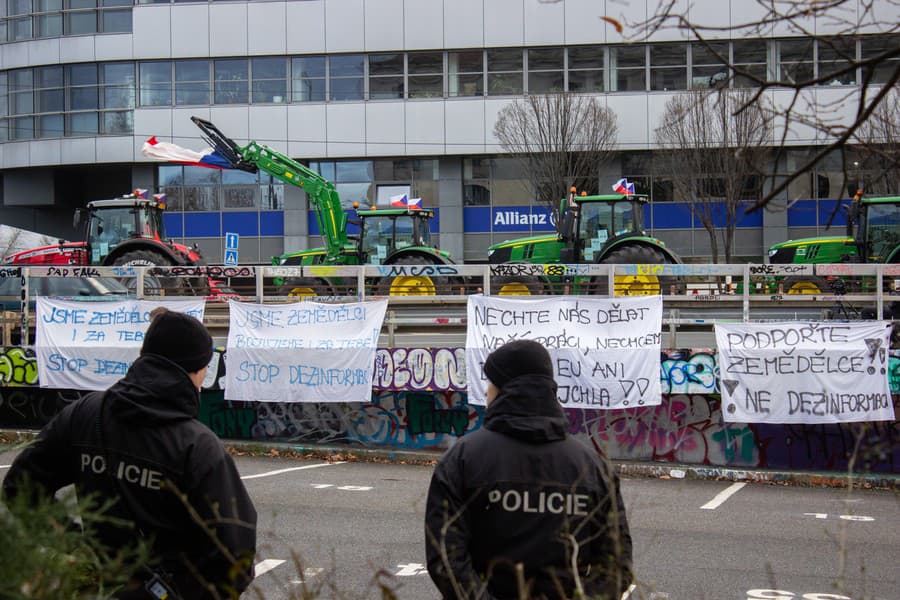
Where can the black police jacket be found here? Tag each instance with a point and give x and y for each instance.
(150, 451)
(520, 491)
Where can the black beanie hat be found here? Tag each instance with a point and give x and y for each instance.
(519, 357)
(179, 337)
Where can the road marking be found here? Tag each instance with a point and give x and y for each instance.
(724, 495)
(264, 566)
(308, 573)
(280, 471)
(627, 594)
(5, 466)
(411, 569)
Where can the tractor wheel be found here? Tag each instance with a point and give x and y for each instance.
(805, 286)
(524, 285)
(630, 285)
(413, 285)
(153, 285)
(305, 287)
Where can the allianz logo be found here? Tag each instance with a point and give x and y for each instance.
(512, 217)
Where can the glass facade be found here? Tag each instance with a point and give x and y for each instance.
(35, 19)
(98, 98)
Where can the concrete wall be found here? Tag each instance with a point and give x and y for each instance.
(405, 413)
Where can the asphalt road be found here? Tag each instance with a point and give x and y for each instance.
(340, 529)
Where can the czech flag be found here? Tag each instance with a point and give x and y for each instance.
(404, 201)
(140, 193)
(153, 148)
(624, 187)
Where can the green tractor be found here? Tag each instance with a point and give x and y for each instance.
(394, 236)
(592, 229)
(387, 236)
(873, 236)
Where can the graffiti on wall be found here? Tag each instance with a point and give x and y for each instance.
(419, 402)
(441, 369)
(18, 366)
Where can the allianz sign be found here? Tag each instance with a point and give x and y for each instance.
(519, 218)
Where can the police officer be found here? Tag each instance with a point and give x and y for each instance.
(511, 505)
(140, 443)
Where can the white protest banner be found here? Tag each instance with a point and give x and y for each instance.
(825, 372)
(302, 352)
(90, 345)
(605, 351)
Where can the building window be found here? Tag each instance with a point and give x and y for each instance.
(156, 83)
(426, 181)
(871, 48)
(49, 18)
(627, 68)
(749, 61)
(191, 82)
(510, 185)
(586, 69)
(353, 180)
(668, 67)
(834, 56)
(477, 181)
(116, 20)
(709, 65)
(81, 17)
(308, 79)
(21, 102)
(231, 81)
(20, 21)
(466, 71)
(269, 80)
(240, 197)
(84, 99)
(504, 71)
(50, 102)
(545, 70)
(346, 77)
(394, 171)
(795, 61)
(385, 76)
(199, 191)
(425, 77)
(118, 93)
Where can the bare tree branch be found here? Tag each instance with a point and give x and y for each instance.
(559, 140)
(712, 152)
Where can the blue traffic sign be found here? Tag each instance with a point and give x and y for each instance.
(231, 257)
(231, 241)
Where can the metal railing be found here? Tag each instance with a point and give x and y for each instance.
(693, 294)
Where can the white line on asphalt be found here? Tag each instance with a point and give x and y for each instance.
(723, 496)
(5, 466)
(264, 566)
(280, 471)
(627, 594)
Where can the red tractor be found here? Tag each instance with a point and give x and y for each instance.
(126, 231)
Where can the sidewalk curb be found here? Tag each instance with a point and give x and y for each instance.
(656, 470)
(834, 479)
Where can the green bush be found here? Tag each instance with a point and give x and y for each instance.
(48, 549)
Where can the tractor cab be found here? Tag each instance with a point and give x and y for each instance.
(589, 223)
(109, 223)
(384, 232)
(878, 229)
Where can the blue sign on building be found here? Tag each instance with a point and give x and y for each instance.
(231, 257)
(521, 218)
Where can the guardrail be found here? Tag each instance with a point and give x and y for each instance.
(749, 291)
